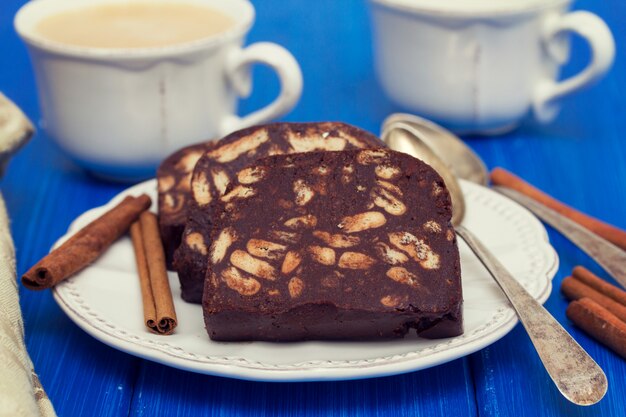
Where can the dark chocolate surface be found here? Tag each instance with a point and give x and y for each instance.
(332, 245)
(219, 165)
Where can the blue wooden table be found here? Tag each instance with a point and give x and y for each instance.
(580, 159)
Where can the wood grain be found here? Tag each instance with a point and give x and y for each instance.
(425, 393)
(580, 159)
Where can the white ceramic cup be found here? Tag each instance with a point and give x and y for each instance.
(482, 65)
(118, 112)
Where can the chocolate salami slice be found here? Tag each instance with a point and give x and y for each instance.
(331, 245)
(219, 166)
(174, 186)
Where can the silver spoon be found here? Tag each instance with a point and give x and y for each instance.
(465, 164)
(576, 375)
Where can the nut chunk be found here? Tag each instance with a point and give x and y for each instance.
(350, 268)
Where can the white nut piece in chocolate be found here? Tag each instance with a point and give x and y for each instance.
(238, 192)
(250, 264)
(432, 226)
(220, 245)
(372, 156)
(362, 221)
(323, 255)
(403, 275)
(220, 179)
(201, 188)
(303, 192)
(393, 300)
(291, 262)
(387, 171)
(196, 242)
(250, 175)
(310, 143)
(355, 260)
(231, 151)
(265, 249)
(244, 285)
(296, 286)
(415, 248)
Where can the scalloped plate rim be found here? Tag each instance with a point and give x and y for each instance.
(233, 367)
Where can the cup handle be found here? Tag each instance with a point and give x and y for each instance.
(238, 74)
(601, 43)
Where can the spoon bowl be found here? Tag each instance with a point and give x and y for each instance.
(455, 154)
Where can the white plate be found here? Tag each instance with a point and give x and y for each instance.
(104, 300)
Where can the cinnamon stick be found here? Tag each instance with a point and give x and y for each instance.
(576, 290)
(600, 323)
(609, 232)
(158, 304)
(149, 309)
(584, 275)
(86, 245)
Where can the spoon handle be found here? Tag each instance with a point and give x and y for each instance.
(577, 376)
(606, 254)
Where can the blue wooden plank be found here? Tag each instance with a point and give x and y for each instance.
(580, 159)
(163, 391)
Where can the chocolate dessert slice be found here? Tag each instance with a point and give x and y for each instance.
(174, 187)
(330, 245)
(219, 166)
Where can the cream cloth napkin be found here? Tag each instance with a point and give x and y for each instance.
(21, 393)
